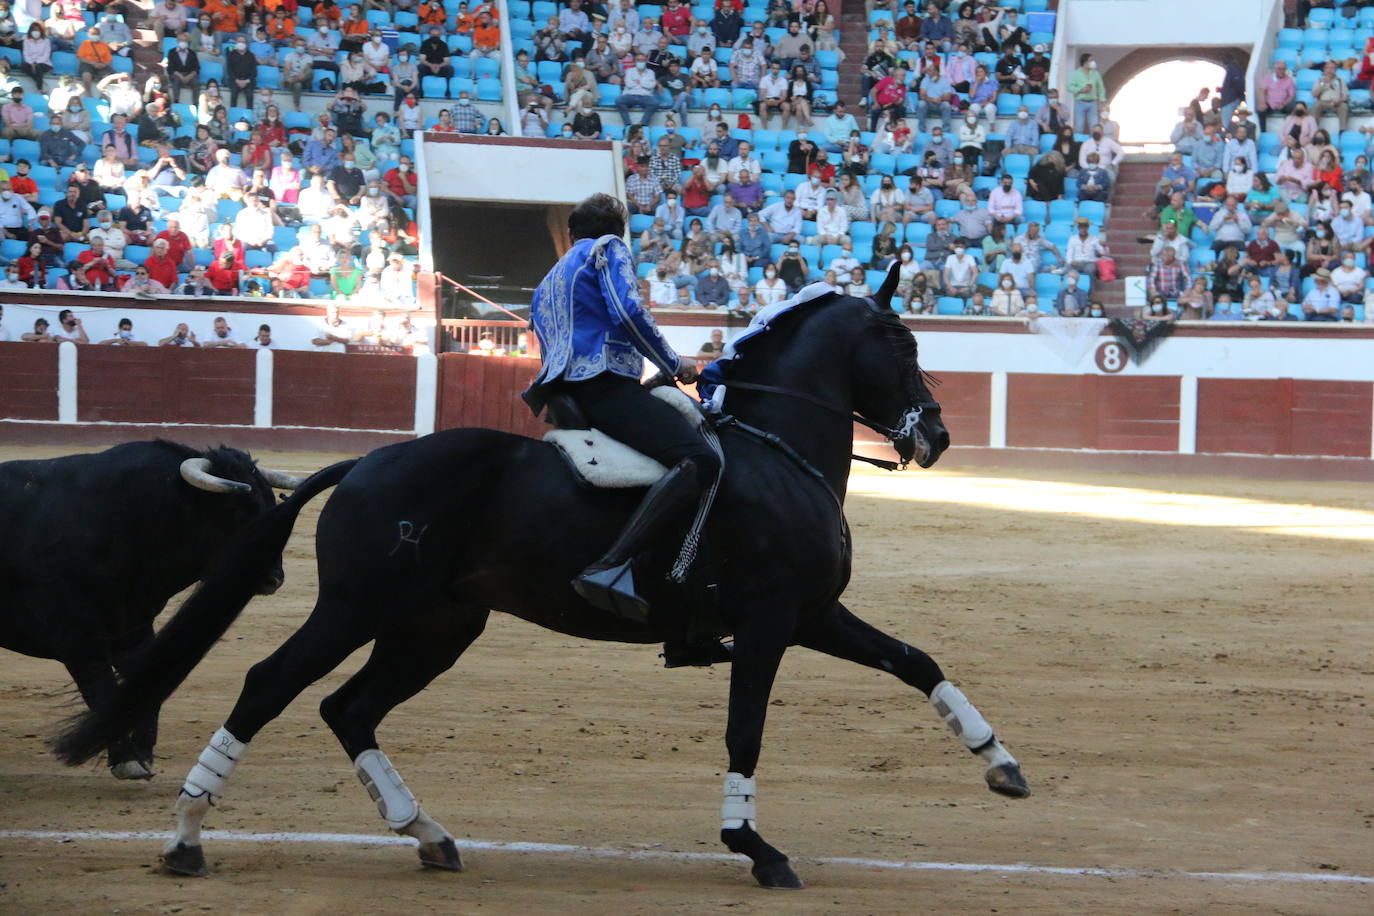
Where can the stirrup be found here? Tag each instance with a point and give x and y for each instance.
(612, 588)
(696, 654)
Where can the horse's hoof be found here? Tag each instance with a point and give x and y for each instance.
(185, 860)
(132, 769)
(443, 854)
(777, 876)
(1006, 779)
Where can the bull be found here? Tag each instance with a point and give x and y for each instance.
(95, 545)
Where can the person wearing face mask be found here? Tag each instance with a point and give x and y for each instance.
(1230, 225)
(712, 289)
(168, 18)
(183, 69)
(1109, 152)
(1023, 136)
(1086, 89)
(810, 197)
(1053, 116)
(972, 220)
(1005, 202)
(770, 288)
(640, 90)
(1348, 279)
(17, 215)
(405, 76)
(1006, 298)
(960, 272)
(972, 136)
(96, 58)
(241, 73)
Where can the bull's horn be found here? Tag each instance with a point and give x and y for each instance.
(196, 472)
(280, 479)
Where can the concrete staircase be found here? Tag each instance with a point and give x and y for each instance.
(854, 43)
(1132, 199)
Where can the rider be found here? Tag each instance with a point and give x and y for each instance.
(594, 334)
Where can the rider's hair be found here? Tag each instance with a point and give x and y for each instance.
(598, 215)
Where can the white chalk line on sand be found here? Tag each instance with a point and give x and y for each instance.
(607, 852)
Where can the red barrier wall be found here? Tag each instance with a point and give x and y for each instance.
(1135, 412)
(353, 391)
(965, 405)
(28, 381)
(485, 391)
(164, 385)
(1284, 416)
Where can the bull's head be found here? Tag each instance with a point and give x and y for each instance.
(244, 480)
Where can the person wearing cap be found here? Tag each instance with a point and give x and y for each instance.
(48, 237)
(1084, 249)
(1037, 70)
(1322, 302)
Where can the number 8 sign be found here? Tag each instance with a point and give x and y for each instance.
(1112, 357)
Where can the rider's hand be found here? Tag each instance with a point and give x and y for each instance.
(686, 374)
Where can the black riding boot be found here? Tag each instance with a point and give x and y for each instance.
(608, 583)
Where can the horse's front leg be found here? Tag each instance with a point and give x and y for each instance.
(753, 668)
(839, 633)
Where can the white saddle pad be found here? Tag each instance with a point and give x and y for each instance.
(605, 462)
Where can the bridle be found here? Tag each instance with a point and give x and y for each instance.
(907, 425)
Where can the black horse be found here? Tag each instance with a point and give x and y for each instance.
(414, 551)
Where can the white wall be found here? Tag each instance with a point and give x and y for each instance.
(517, 174)
(289, 332)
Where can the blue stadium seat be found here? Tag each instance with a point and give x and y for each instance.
(1061, 211)
(917, 233)
(710, 97)
(609, 94)
(1290, 38)
(227, 209)
(13, 249)
(1094, 211)
(1321, 18)
(489, 90)
(214, 70)
(519, 9)
(1017, 165)
(486, 67)
(269, 77)
(742, 98)
(946, 208)
(542, 10)
(433, 87)
(949, 305)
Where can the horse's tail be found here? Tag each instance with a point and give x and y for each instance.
(151, 676)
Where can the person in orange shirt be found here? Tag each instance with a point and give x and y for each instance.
(432, 12)
(488, 8)
(355, 30)
(225, 14)
(486, 38)
(22, 185)
(281, 28)
(96, 58)
(291, 6)
(465, 21)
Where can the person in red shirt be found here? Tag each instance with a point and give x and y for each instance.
(100, 267)
(402, 182)
(677, 19)
(178, 243)
(290, 274)
(255, 153)
(223, 276)
(161, 266)
(33, 273)
(889, 96)
(227, 243)
(22, 184)
(696, 193)
(823, 168)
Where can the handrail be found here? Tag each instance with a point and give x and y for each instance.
(476, 295)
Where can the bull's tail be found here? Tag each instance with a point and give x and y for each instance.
(148, 679)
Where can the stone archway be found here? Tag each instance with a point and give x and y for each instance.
(1131, 65)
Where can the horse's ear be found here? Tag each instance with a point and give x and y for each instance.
(883, 297)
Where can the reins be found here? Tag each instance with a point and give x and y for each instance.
(909, 421)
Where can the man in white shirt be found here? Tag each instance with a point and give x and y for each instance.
(183, 336)
(334, 331)
(783, 218)
(772, 93)
(1005, 203)
(16, 213)
(224, 179)
(315, 202)
(1020, 267)
(263, 339)
(960, 273)
(1240, 146)
(222, 336)
(1170, 238)
(811, 196)
(1109, 152)
(1084, 249)
(68, 327)
(662, 289)
(846, 262)
(1360, 202)
(639, 90)
(832, 222)
(253, 225)
(745, 162)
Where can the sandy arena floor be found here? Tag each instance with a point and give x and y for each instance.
(1182, 666)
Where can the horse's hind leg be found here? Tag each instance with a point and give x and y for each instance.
(403, 662)
(839, 633)
(331, 633)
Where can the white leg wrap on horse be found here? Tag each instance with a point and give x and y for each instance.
(394, 801)
(215, 765)
(963, 719)
(738, 807)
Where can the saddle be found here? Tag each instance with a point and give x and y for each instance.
(600, 461)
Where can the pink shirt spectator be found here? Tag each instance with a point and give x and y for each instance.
(1294, 179)
(1005, 205)
(16, 114)
(286, 184)
(1278, 92)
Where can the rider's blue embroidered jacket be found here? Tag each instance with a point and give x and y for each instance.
(589, 319)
